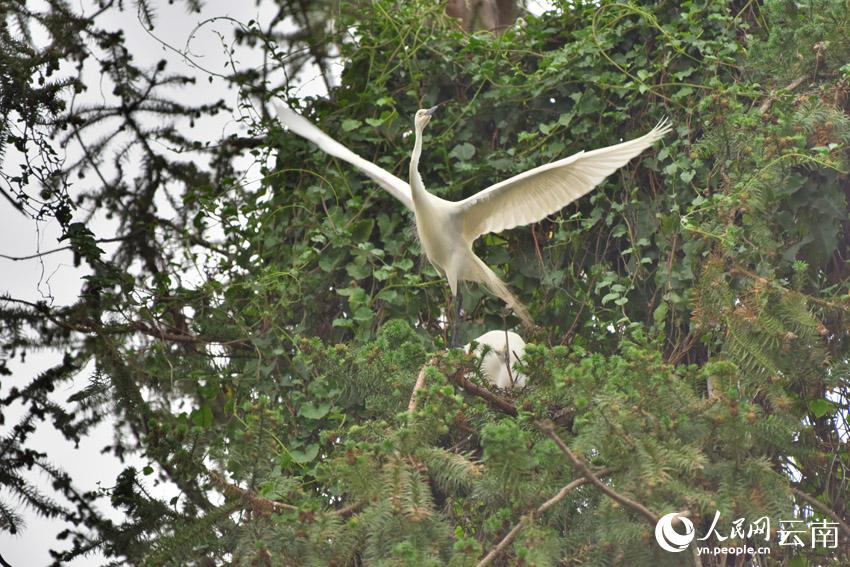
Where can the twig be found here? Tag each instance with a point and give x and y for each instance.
(547, 428)
(815, 503)
(163, 335)
(61, 248)
(255, 500)
(350, 509)
(420, 383)
(15, 204)
(528, 518)
(765, 106)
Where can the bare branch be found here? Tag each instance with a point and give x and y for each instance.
(547, 428)
(62, 248)
(823, 508)
(528, 518)
(495, 401)
(256, 501)
(765, 106)
(420, 383)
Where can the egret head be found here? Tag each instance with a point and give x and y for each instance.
(422, 116)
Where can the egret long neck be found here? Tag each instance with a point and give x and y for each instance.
(417, 187)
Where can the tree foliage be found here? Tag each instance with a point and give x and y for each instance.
(691, 352)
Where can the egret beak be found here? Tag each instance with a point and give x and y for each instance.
(432, 110)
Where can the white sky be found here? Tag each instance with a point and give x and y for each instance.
(55, 277)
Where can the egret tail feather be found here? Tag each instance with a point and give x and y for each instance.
(497, 287)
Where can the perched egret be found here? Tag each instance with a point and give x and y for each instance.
(503, 348)
(447, 229)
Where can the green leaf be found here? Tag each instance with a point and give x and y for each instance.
(363, 314)
(308, 454)
(660, 313)
(610, 297)
(358, 270)
(350, 124)
(314, 411)
(202, 417)
(820, 407)
(566, 118)
(329, 261)
(362, 230)
(463, 152)
(388, 295)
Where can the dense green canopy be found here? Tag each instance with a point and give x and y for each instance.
(691, 351)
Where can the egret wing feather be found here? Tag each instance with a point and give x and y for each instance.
(396, 187)
(539, 192)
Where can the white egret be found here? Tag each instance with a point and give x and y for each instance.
(447, 229)
(503, 348)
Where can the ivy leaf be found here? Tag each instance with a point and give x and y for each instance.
(350, 124)
(358, 270)
(362, 230)
(363, 314)
(314, 411)
(610, 297)
(819, 407)
(202, 417)
(660, 313)
(308, 454)
(463, 152)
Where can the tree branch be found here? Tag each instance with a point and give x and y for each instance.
(823, 508)
(14, 203)
(765, 106)
(420, 383)
(547, 428)
(61, 248)
(184, 337)
(258, 502)
(528, 518)
(495, 401)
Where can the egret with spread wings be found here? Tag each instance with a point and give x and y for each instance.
(447, 229)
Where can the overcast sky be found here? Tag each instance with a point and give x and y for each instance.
(54, 277)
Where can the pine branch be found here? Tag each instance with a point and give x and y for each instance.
(547, 428)
(528, 518)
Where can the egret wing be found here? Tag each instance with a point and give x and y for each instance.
(539, 192)
(306, 129)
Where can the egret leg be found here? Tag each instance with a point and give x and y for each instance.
(458, 301)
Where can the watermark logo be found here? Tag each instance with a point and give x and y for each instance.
(668, 538)
(742, 536)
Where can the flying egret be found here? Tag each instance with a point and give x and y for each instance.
(447, 229)
(504, 348)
